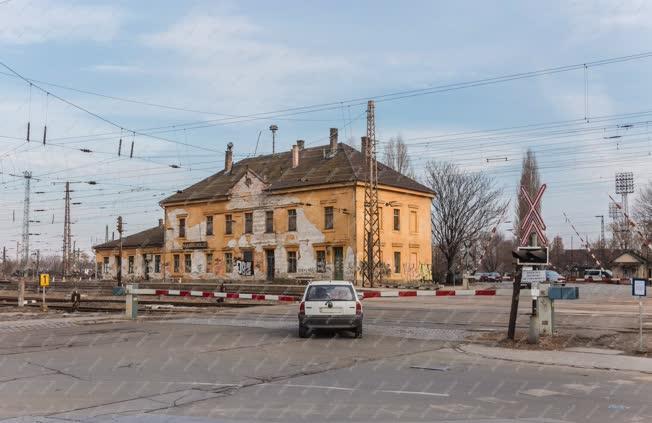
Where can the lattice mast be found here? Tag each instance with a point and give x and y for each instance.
(372, 269)
(25, 239)
(66, 233)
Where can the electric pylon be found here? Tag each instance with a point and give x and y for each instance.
(372, 269)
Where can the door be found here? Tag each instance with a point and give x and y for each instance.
(338, 263)
(270, 264)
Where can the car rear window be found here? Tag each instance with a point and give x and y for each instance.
(330, 292)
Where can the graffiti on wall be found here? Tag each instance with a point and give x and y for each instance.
(243, 268)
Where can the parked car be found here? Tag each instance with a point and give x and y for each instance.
(597, 274)
(554, 277)
(488, 276)
(330, 305)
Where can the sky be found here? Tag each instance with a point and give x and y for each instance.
(187, 68)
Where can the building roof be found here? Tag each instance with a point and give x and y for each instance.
(316, 167)
(152, 237)
(636, 255)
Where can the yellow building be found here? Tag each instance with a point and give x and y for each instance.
(141, 256)
(294, 215)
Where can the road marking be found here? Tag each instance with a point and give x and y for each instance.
(291, 385)
(540, 393)
(432, 394)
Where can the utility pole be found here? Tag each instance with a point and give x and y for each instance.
(120, 257)
(4, 261)
(65, 260)
(25, 239)
(106, 234)
(273, 128)
(371, 273)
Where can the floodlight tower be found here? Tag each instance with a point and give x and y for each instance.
(273, 128)
(625, 186)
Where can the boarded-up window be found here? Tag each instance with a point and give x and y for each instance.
(249, 223)
(321, 261)
(414, 223)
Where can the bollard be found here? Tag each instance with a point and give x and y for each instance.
(533, 333)
(21, 292)
(131, 308)
(546, 312)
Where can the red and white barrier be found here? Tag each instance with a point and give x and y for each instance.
(212, 294)
(438, 293)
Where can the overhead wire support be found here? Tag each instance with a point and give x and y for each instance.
(372, 271)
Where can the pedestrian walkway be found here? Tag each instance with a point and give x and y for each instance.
(50, 323)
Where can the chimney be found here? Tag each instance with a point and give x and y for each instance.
(333, 140)
(295, 156)
(228, 158)
(160, 223)
(301, 144)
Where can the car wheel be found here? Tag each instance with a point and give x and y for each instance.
(304, 332)
(358, 332)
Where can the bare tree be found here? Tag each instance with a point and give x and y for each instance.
(465, 206)
(531, 180)
(498, 255)
(557, 252)
(643, 211)
(396, 156)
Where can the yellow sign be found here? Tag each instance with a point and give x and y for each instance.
(44, 279)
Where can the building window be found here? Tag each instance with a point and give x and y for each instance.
(269, 221)
(328, 218)
(397, 262)
(209, 225)
(176, 263)
(414, 226)
(228, 224)
(182, 228)
(130, 268)
(292, 261)
(248, 259)
(157, 263)
(106, 265)
(187, 265)
(228, 262)
(321, 261)
(249, 223)
(209, 262)
(292, 220)
(397, 220)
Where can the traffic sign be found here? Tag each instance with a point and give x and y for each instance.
(533, 276)
(44, 279)
(531, 256)
(639, 288)
(533, 222)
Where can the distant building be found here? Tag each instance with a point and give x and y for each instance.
(631, 264)
(142, 255)
(294, 215)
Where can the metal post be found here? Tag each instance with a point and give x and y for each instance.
(21, 292)
(131, 306)
(641, 348)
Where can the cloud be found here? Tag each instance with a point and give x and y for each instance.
(116, 69)
(235, 59)
(594, 18)
(44, 20)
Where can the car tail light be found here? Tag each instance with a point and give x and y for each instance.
(358, 308)
(302, 308)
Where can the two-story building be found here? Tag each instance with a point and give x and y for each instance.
(292, 215)
(142, 256)
(295, 215)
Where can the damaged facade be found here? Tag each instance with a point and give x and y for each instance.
(142, 256)
(294, 215)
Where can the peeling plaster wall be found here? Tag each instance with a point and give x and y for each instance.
(249, 196)
(139, 259)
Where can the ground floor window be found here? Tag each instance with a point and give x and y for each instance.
(157, 263)
(209, 262)
(106, 265)
(321, 261)
(292, 261)
(228, 262)
(397, 262)
(176, 263)
(187, 263)
(130, 268)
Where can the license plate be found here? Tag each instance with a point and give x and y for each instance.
(328, 310)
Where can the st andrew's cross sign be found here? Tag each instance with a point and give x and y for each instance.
(533, 221)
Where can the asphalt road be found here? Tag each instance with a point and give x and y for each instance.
(249, 365)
